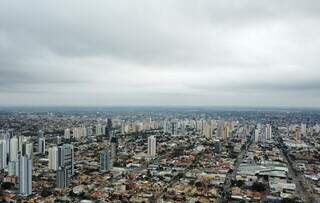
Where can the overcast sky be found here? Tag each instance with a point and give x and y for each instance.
(160, 52)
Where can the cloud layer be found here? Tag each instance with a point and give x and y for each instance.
(165, 52)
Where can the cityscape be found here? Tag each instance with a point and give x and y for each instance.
(159, 101)
(160, 155)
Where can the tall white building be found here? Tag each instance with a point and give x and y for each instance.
(13, 168)
(98, 129)
(27, 149)
(152, 146)
(257, 135)
(25, 175)
(3, 154)
(67, 134)
(220, 129)
(226, 131)
(79, 132)
(268, 132)
(303, 129)
(13, 149)
(53, 158)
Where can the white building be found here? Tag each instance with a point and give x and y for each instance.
(13, 149)
(67, 133)
(53, 158)
(303, 129)
(3, 154)
(152, 146)
(257, 135)
(28, 149)
(268, 132)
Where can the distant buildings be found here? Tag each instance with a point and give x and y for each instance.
(152, 146)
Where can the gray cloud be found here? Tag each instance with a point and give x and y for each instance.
(159, 52)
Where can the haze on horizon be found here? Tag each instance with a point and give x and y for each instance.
(162, 52)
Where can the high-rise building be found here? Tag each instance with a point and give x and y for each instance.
(13, 168)
(40, 133)
(6, 137)
(53, 158)
(152, 146)
(220, 129)
(41, 145)
(98, 129)
(20, 142)
(208, 129)
(67, 134)
(109, 128)
(226, 132)
(3, 154)
(217, 146)
(79, 132)
(27, 149)
(303, 129)
(113, 149)
(298, 135)
(268, 132)
(104, 161)
(63, 178)
(257, 135)
(13, 149)
(66, 158)
(58, 140)
(173, 128)
(25, 175)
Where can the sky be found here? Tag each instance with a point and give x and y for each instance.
(160, 52)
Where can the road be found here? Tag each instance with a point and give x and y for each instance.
(231, 176)
(302, 187)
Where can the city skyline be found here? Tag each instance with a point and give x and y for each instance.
(159, 53)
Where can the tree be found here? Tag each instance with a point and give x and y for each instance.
(288, 200)
(240, 183)
(259, 187)
(46, 192)
(7, 186)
